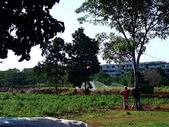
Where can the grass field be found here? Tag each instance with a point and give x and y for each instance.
(96, 110)
(110, 118)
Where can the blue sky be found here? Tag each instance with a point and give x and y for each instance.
(65, 11)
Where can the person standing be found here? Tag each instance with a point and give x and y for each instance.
(125, 93)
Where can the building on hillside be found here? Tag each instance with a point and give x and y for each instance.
(117, 70)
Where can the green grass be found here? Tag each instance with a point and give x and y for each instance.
(52, 105)
(92, 109)
(162, 89)
(55, 105)
(110, 118)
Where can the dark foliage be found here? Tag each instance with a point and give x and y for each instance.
(24, 24)
(82, 61)
(53, 66)
(156, 77)
(15, 78)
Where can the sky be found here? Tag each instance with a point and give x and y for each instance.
(157, 49)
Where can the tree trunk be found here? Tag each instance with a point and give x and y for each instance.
(85, 86)
(136, 70)
(87, 91)
(56, 89)
(136, 83)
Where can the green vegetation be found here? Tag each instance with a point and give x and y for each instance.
(33, 25)
(14, 78)
(17, 78)
(62, 106)
(82, 61)
(52, 66)
(162, 89)
(96, 110)
(50, 105)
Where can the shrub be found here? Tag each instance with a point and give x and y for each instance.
(147, 89)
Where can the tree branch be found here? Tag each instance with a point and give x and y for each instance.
(145, 35)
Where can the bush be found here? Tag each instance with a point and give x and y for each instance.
(147, 89)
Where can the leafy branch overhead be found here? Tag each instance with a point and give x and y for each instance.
(116, 48)
(24, 24)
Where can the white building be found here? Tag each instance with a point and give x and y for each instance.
(123, 68)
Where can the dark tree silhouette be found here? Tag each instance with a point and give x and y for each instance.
(52, 66)
(82, 62)
(24, 24)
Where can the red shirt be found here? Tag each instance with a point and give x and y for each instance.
(125, 93)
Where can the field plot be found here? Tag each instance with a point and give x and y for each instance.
(96, 110)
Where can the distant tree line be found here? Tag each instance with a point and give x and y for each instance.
(17, 78)
(28, 78)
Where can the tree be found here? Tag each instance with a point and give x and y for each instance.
(136, 21)
(156, 77)
(153, 77)
(30, 77)
(52, 66)
(13, 78)
(82, 58)
(24, 24)
(127, 79)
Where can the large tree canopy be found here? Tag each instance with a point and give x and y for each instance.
(26, 23)
(82, 58)
(137, 21)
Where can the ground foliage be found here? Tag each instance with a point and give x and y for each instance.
(13, 104)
